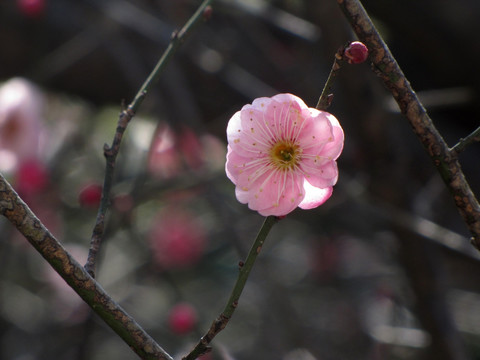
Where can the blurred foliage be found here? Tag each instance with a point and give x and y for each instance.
(332, 283)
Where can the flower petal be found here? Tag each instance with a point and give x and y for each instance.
(287, 98)
(234, 164)
(334, 149)
(323, 176)
(242, 196)
(236, 137)
(278, 193)
(284, 119)
(318, 131)
(259, 103)
(314, 196)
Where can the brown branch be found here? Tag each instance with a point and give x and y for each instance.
(110, 153)
(20, 215)
(444, 159)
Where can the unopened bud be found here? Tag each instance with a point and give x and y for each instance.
(90, 195)
(182, 318)
(356, 53)
(207, 13)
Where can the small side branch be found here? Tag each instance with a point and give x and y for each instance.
(353, 53)
(443, 158)
(110, 153)
(470, 139)
(326, 97)
(20, 215)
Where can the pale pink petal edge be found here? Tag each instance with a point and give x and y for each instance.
(314, 196)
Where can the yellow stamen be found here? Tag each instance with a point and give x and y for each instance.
(285, 155)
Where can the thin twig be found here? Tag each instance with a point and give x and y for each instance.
(326, 96)
(126, 115)
(443, 158)
(470, 139)
(20, 215)
(221, 322)
(352, 53)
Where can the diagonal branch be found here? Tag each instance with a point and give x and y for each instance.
(81, 279)
(111, 152)
(20, 215)
(444, 159)
(221, 322)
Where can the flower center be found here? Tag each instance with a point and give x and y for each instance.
(285, 155)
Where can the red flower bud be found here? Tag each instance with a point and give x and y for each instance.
(90, 196)
(32, 178)
(32, 8)
(356, 52)
(207, 13)
(182, 318)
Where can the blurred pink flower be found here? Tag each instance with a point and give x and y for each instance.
(90, 195)
(172, 153)
(182, 318)
(31, 178)
(281, 154)
(163, 158)
(21, 116)
(191, 148)
(177, 239)
(32, 8)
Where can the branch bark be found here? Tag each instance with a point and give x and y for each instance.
(20, 215)
(444, 159)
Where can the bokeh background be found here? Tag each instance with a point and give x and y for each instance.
(383, 270)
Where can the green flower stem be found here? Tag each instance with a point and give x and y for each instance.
(245, 268)
(126, 115)
(248, 265)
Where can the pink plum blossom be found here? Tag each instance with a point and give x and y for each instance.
(163, 158)
(282, 154)
(174, 153)
(21, 118)
(177, 239)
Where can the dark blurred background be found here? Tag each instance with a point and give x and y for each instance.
(383, 270)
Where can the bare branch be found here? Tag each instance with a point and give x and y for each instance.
(443, 158)
(20, 215)
(111, 152)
